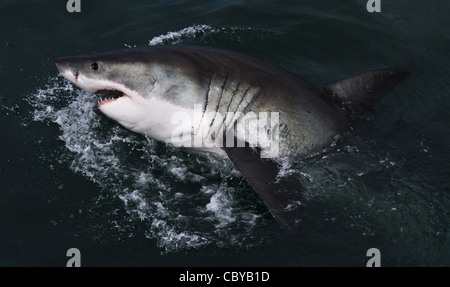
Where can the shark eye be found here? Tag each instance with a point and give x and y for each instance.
(94, 66)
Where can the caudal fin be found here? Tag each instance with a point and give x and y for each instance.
(359, 92)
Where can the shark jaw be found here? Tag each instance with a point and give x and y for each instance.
(143, 114)
(117, 101)
(113, 91)
(121, 104)
(110, 96)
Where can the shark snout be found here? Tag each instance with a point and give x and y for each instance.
(61, 64)
(66, 70)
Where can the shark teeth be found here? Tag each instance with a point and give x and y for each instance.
(112, 96)
(103, 101)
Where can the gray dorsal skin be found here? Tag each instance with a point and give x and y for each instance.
(220, 82)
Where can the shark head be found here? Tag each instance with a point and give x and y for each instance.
(142, 89)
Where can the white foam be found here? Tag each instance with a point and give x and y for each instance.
(202, 33)
(221, 205)
(176, 37)
(181, 197)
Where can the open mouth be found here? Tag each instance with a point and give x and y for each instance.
(108, 96)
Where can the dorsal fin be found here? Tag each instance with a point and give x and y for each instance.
(359, 92)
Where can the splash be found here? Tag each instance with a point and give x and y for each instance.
(206, 34)
(177, 37)
(188, 200)
(183, 198)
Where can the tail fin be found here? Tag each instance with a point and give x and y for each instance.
(361, 91)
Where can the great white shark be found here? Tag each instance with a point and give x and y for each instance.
(145, 89)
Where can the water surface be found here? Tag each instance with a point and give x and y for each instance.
(70, 177)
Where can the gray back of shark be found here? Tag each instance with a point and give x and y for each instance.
(229, 85)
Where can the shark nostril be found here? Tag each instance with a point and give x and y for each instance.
(76, 76)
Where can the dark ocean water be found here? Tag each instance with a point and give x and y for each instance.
(70, 177)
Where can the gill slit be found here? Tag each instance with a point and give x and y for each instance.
(206, 104)
(216, 110)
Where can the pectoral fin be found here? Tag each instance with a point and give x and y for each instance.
(282, 196)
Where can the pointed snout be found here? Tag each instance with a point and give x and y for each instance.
(63, 64)
(58, 63)
(67, 69)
